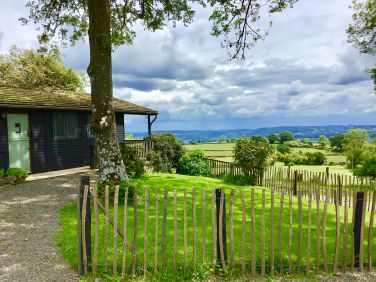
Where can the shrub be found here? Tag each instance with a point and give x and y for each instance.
(293, 143)
(19, 173)
(193, 163)
(166, 153)
(316, 158)
(283, 149)
(251, 154)
(2, 173)
(134, 166)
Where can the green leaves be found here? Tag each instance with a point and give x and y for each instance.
(30, 69)
(236, 20)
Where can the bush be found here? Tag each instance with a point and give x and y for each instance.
(293, 143)
(134, 166)
(193, 163)
(252, 154)
(166, 153)
(2, 173)
(307, 158)
(19, 173)
(283, 149)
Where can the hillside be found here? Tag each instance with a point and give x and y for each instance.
(299, 132)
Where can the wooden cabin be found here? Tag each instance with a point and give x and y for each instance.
(47, 130)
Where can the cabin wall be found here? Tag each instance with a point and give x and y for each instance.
(48, 154)
(3, 143)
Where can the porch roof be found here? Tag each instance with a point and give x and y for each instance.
(14, 97)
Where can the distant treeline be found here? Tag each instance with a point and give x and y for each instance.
(300, 132)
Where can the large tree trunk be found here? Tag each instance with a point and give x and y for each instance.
(111, 167)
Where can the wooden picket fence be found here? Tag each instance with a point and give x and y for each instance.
(290, 180)
(143, 147)
(262, 232)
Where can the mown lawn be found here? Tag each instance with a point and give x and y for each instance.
(67, 236)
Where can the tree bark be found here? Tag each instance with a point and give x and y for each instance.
(111, 166)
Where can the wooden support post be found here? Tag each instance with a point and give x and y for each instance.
(221, 227)
(149, 125)
(85, 181)
(295, 183)
(358, 228)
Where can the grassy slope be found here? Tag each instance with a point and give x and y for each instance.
(67, 236)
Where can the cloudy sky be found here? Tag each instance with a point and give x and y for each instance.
(304, 73)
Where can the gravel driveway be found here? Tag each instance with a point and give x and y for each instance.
(29, 221)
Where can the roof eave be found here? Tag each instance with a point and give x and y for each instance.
(25, 106)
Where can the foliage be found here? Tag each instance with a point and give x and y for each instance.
(193, 163)
(356, 141)
(283, 149)
(234, 20)
(19, 173)
(166, 153)
(134, 165)
(308, 158)
(222, 139)
(251, 154)
(368, 162)
(293, 143)
(362, 32)
(323, 141)
(273, 138)
(2, 173)
(29, 69)
(337, 142)
(286, 136)
(307, 142)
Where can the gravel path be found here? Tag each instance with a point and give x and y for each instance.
(29, 221)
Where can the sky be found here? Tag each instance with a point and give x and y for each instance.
(303, 73)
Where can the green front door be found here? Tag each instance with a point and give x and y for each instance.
(18, 141)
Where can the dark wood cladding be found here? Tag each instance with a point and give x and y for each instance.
(3, 143)
(48, 154)
(120, 134)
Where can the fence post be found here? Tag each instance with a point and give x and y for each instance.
(295, 182)
(221, 234)
(85, 181)
(358, 226)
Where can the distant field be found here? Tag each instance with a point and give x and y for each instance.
(224, 152)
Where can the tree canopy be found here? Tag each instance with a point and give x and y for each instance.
(30, 69)
(286, 136)
(362, 32)
(234, 20)
(356, 141)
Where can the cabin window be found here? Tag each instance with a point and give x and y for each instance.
(65, 125)
(88, 130)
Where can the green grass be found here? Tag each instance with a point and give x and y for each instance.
(224, 152)
(67, 236)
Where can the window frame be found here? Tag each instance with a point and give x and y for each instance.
(66, 115)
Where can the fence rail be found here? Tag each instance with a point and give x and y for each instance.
(143, 146)
(256, 230)
(290, 180)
